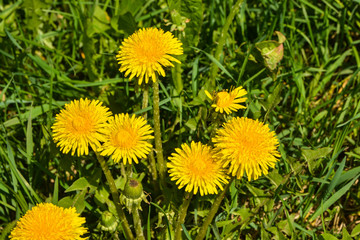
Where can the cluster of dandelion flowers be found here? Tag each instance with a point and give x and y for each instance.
(228, 102)
(146, 52)
(80, 124)
(127, 138)
(47, 221)
(248, 146)
(197, 167)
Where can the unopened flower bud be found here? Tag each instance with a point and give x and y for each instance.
(108, 221)
(133, 194)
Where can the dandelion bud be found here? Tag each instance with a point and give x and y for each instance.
(133, 194)
(108, 222)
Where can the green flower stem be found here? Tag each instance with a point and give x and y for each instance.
(153, 166)
(212, 212)
(145, 100)
(182, 214)
(137, 223)
(157, 134)
(115, 195)
(219, 48)
(145, 103)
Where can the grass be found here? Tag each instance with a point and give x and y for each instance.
(54, 52)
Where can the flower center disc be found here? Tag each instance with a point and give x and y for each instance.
(198, 165)
(148, 53)
(81, 124)
(125, 139)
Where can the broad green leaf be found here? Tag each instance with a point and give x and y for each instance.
(328, 236)
(78, 201)
(264, 234)
(276, 178)
(224, 223)
(278, 235)
(271, 51)
(312, 157)
(273, 100)
(284, 226)
(192, 124)
(267, 47)
(345, 235)
(34, 13)
(65, 202)
(120, 182)
(187, 17)
(281, 37)
(101, 195)
(295, 164)
(131, 6)
(261, 197)
(275, 97)
(99, 23)
(320, 115)
(125, 22)
(356, 231)
(79, 184)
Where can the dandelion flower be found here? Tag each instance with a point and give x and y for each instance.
(228, 101)
(46, 221)
(197, 167)
(248, 146)
(146, 52)
(79, 125)
(126, 138)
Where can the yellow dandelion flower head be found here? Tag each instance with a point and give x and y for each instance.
(228, 102)
(126, 138)
(46, 221)
(248, 146)
(79, 125)
(146, 52)
(197, 167)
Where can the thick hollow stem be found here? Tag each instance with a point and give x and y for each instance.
(157, 134)
(145, 103)
(212, 212)
(115, 195)
(153, 166)
(182, 214)
(221, 43)
(137, 223)
(145, 100)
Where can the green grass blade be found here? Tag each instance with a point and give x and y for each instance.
(216, 62)
(333, 199)
(166, 219)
